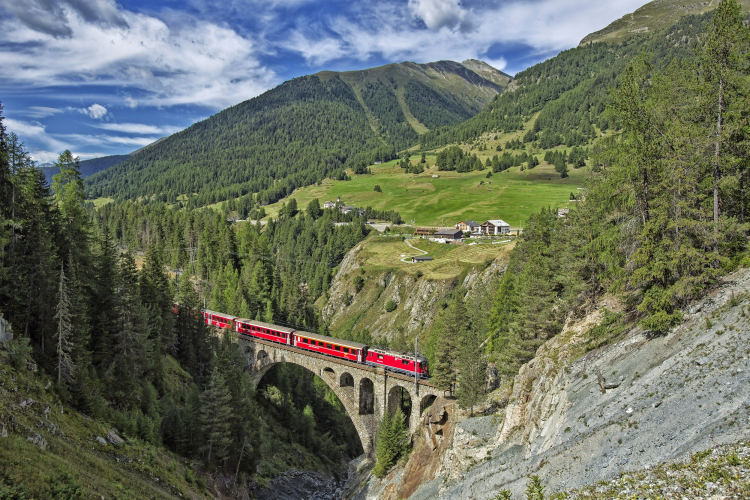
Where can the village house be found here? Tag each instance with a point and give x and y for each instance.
(347, 208)
(469, 225)
(563, 212)
(495, 227)
(446, 235)
(329, 204)
(424, 231)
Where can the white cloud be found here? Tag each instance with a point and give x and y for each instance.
(499, 63)
(41, 112)
(454, 31)
(175, 60)
(437, 14)
(139, 128)
(95, 111)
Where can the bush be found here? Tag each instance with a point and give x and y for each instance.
(377, 188)
(420, 274)
(390, 306)
(359, 282)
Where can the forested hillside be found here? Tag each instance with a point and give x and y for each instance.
(100, 320)
(665, 212)
(570, 91)
(300, 132)
(89, 167)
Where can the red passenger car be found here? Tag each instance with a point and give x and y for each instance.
(344, 349)
(219, 320)
(397, 361)
(264, 331)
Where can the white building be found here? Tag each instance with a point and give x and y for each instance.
(495, 227)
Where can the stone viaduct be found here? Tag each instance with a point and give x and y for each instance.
(366, 392)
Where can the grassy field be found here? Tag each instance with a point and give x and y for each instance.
(384, 253)
(512, 195)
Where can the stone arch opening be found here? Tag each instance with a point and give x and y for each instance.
(329, 371)
(426, 403)
(366, 397)
(297, 381)
(398, 397)
(346, 380)
(261, 355)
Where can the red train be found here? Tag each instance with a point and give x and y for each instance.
(345, 349)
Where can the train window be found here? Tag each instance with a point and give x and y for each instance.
(306, 341)
(346, 350)
(338, 348)
(329, 346)
(404, 362)
(380, 356)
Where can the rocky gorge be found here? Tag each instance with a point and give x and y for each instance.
(597, 402)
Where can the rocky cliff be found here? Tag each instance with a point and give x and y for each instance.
(418, 298)
(580, 413)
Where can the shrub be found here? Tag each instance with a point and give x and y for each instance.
(420, 274)
(390, 306)
(377, 188)
(359, 282)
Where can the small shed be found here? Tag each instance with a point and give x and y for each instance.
(421, 259)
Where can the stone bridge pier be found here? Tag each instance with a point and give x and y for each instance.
(366, 392)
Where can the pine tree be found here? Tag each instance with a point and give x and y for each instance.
(384, 450)
(472, 365)
(452, 328)
(216, 413)
(65, 366)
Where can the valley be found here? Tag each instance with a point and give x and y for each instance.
(292, 298)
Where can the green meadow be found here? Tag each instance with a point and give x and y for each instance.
(512, 195)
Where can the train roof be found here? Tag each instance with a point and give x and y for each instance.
(394, 352)
(217, 313)
(345, 343)
(266, 325)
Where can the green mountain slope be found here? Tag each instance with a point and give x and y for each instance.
(653, 16)
(89, 167)
(569, 91)
(301, 132)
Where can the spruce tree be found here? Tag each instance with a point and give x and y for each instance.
(216, 414)
(384, 450)
(64, 345)
(472, 365)
(452, 328)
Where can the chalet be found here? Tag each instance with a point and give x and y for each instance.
(563, 212)
(424, 231)
(446, 235)
(347, 208)
(421, 259)
(329, 204)
(378, 163)
(495, 227)
(469, 225)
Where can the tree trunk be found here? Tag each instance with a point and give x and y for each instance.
(716, 170)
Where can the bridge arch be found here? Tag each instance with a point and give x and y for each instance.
(346, 380)
(399, 397)
(366, 397)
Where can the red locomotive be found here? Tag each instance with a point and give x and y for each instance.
(390, 359)
(397, 361)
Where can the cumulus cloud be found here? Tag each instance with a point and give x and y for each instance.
(95, 111)
(437, 14)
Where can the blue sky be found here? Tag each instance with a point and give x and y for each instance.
(101, 77)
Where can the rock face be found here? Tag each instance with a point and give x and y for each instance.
(294, 484)
(418, 299)
(575, 418)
